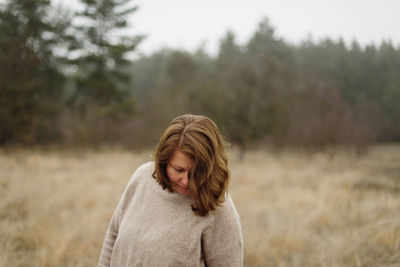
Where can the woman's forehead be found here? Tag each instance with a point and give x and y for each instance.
(181, 159)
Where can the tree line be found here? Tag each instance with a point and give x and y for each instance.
(65, 79)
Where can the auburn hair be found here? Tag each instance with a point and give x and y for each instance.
(199, 138)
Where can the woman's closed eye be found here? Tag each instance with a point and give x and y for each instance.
(178, 170)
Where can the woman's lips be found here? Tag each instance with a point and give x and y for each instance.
(186, 190)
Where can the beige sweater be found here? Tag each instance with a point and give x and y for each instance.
(153, 227)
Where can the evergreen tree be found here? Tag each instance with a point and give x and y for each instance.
(30, 79)
(101, 78)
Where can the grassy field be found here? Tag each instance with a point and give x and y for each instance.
(297, 209)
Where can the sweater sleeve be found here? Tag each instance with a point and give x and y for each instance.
(222, 241)
(109, 240)
(113, 227)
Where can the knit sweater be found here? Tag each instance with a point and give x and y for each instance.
(154, 227)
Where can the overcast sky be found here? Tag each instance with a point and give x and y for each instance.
(185, 24)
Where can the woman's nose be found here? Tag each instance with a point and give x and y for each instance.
(185, 179)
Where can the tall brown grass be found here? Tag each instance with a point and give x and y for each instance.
(297, 209)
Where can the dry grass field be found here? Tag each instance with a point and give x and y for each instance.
(297, 209)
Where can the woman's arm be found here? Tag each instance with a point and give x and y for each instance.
(222, 241)
(113, 227)
(109, 240)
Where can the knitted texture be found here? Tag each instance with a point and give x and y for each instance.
(153, 227)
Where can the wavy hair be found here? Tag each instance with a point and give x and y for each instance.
(199, 138)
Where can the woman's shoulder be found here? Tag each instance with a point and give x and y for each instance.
(142, 172)
(226, 212)
(146, 167)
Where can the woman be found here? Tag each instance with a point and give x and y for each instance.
(176, 211)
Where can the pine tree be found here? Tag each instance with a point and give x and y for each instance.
(101, 79)
(30, 79)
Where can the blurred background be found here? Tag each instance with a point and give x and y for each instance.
(306, 93)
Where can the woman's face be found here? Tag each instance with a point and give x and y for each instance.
(178, 172)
